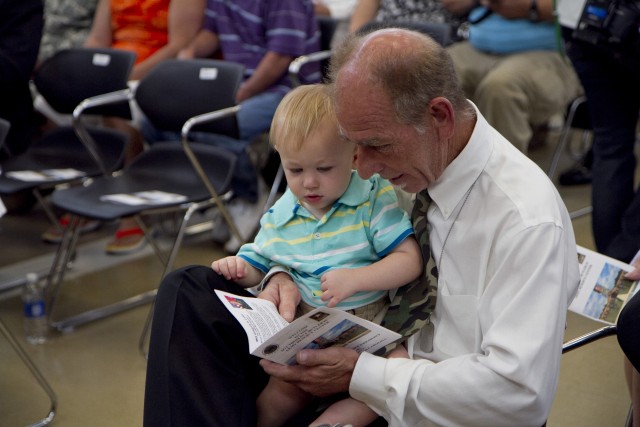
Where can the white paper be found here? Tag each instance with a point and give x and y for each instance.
(45, 175)
(272, 338)
(603, 290)
(144, 198)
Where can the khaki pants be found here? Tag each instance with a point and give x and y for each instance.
(515, 91)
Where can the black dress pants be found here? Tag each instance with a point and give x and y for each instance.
(199, 372)
(629, 331)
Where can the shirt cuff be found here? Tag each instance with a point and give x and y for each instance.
(367, 382)
(265, 279)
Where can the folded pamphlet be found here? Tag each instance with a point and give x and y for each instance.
(273, 338)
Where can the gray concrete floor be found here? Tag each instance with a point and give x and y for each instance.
(98, 372)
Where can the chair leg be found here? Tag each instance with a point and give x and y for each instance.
(36, 373)
(274, 188)
(168, 266)
(56, 277)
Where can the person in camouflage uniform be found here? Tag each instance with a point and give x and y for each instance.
(66, 24)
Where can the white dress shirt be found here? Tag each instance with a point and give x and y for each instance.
(506, 276)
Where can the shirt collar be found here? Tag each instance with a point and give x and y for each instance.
(464, 170)
(356, 194)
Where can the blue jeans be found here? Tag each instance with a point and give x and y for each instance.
(254, 118)
(612, 85)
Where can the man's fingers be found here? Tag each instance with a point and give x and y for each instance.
(289, 299)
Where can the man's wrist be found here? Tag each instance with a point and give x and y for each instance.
(265, 280)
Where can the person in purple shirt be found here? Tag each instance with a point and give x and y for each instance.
(264, 36)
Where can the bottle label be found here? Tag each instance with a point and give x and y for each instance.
(34, 309)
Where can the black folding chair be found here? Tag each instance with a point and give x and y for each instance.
(81, 151)
(177, 96)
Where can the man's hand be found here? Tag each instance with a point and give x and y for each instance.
(635, 273)
(338, 285)
(319, 372)
(284, 293)
(510, 9)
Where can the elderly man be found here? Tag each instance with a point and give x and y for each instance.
(501, 241)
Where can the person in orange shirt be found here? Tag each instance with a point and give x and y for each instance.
(155, 29)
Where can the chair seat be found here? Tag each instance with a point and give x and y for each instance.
(45, 154)
(164, 167)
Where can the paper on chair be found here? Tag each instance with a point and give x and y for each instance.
(45, 175)
(144, 198)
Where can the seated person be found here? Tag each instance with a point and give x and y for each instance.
(494, 225)
(264, 36)
(421, 11)
(364, 230)
(512, 67)
(67, 24)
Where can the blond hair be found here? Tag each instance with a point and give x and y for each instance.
(299, 113)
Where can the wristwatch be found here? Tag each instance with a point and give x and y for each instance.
(534, 14)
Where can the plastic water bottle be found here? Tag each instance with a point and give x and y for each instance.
(35, 317)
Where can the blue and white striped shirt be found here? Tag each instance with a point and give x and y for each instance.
(362, 227)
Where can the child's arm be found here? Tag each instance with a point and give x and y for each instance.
(237, 269)
(398, 268)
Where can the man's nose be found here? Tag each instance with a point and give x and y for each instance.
(366, 164)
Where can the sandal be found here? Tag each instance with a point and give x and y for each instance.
(54, 234)
(126, 241)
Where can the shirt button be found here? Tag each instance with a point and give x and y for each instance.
(446, 211)
(316, 236)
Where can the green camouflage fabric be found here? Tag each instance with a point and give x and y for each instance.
(411, 308)
(66, 24)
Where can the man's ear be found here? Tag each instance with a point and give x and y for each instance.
(442, 116)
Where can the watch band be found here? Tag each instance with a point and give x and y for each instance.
(534, 14)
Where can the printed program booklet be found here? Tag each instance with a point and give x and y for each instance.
(603, 290)
(273, 338)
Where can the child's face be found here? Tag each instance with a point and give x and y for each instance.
(319, 173)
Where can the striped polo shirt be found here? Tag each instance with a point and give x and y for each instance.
(247, 29)
(363, 226)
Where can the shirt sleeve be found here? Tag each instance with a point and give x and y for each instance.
(389, 224)
(511, 378)
(287, 26)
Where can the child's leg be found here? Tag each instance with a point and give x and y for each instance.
(278, 402)
(347, 411)
(351, 411)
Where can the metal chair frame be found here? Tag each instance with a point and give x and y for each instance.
(215, 198)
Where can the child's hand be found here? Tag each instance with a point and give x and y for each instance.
(231, 267)
(337, 285)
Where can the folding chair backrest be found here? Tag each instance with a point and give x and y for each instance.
(176, 90)
(72, 75)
